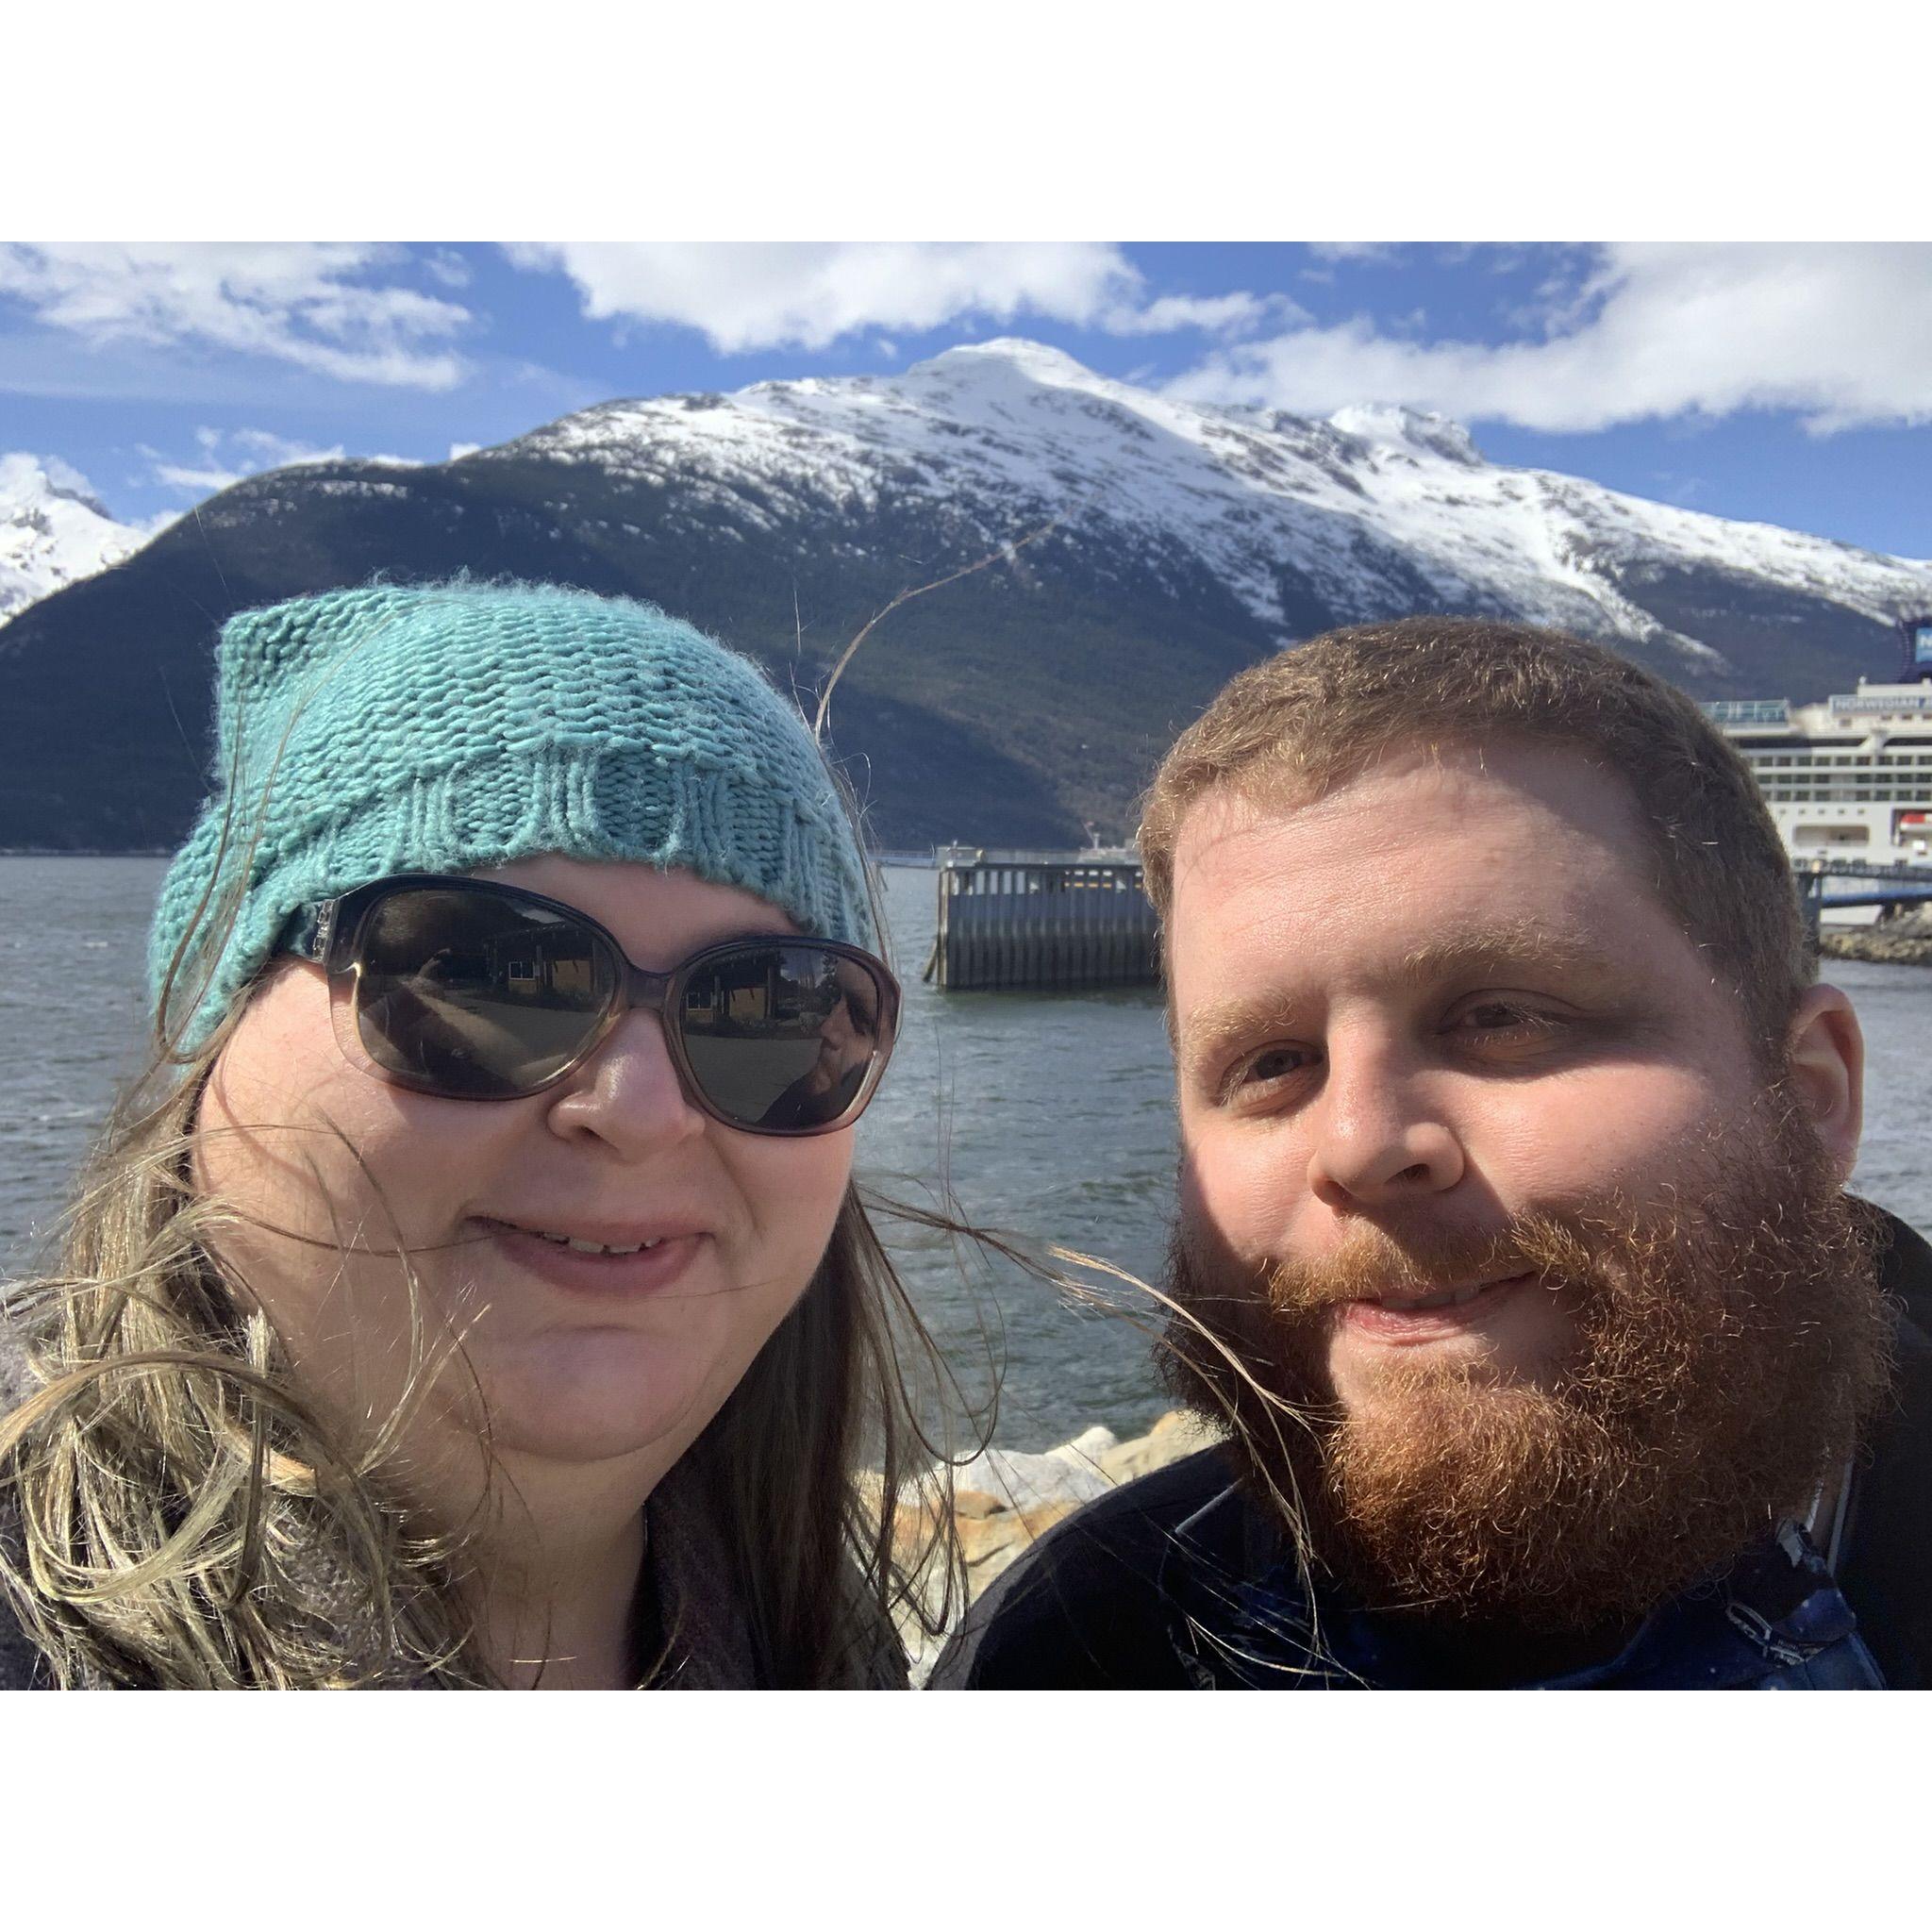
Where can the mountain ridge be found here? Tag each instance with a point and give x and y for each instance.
(54, 531)
(1173, 543)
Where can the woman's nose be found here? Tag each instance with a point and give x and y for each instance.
(628, 1092)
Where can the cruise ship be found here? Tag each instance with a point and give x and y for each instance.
(1850, 777)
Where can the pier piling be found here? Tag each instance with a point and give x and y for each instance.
(1042, 921)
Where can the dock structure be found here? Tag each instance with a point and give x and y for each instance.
(1828, 884)
(1041, 922)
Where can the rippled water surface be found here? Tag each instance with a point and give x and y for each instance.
(1049, 1117)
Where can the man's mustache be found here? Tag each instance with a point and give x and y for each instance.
(1375, 1263)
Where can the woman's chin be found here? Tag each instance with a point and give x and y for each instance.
(593, 1405)
(586, 1439)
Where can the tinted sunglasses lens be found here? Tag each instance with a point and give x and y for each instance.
(477, 997)
(781, 1037)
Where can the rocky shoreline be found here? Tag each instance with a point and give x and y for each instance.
(1897, 942)
(1003, 1500)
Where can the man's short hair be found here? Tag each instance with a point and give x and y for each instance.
(1316, 716)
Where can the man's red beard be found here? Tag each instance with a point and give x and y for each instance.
(1728, 1351)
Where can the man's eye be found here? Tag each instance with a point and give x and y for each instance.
(1504, 1019)
(1264, 1069)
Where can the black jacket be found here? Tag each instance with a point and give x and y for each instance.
(1139, 1590)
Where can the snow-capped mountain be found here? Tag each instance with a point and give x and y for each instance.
(1373, 512)
(1172, 544)
(52, 531)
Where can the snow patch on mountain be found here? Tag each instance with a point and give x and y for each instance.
(1395, 426)
(53, 531)
(1375, 512)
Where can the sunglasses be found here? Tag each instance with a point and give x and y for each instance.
(474, 990)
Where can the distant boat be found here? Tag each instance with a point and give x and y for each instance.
(1849, 777)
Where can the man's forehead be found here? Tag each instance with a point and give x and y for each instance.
(1420, 867)
(1233, 812)
(1556, 785)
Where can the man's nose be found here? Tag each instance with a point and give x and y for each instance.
(628, 1094)
(1380, 1135)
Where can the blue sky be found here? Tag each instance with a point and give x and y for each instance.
(1790, 383)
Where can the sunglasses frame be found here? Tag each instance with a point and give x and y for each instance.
(328, 933)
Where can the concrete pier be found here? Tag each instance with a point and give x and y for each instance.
(1042, 921)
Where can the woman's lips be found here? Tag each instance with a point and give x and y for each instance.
(643, 1272)
(1392, 1320)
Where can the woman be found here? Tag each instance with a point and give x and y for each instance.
(475, 1293)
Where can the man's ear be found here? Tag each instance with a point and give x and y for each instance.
(1826, 1049)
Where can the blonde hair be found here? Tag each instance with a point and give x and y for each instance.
(1313, 717)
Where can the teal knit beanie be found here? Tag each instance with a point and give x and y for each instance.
(459, 725)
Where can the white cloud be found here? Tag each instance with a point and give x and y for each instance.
(806, 295)
(320, 306)
(1839, 332)
(1352, 251)
(227, 456)
(63, 475)
(1217, 315)
(270, 451)
(446, 266)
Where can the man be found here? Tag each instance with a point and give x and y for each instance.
(1512, 1249)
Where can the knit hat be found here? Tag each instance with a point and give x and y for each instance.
(460, 726)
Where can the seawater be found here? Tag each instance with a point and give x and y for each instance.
(1048, 1118)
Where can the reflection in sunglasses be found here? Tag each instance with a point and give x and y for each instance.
(478, 990)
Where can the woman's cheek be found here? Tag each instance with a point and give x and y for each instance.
(794, 1190)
